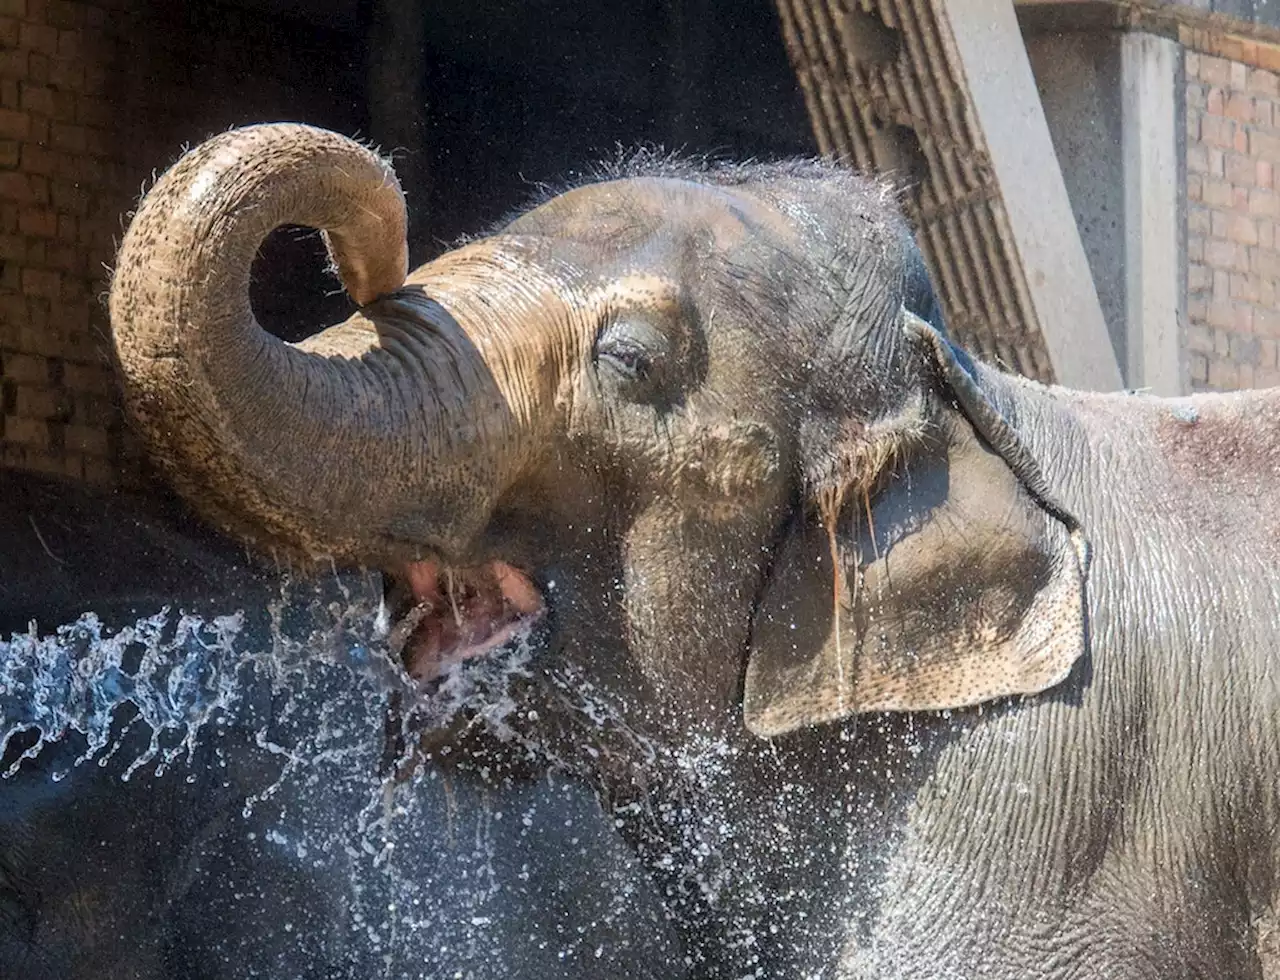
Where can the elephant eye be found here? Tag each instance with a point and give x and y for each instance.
(631, 362)
(632, 350)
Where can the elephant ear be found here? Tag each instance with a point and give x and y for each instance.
(956, 578)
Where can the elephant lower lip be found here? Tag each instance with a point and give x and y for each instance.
(450, 615)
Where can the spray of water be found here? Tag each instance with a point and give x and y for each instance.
(437, 875)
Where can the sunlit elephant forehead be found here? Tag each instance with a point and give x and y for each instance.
(656, 215)
(642, 292)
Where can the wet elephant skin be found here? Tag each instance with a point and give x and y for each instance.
(884, 663)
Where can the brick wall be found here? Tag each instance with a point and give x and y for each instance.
(1233, 209)
(94, 96)
(61, 184)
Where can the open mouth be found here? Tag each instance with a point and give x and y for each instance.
(442, 616)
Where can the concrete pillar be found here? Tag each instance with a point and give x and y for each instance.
(1004, 98)
(1149, 85)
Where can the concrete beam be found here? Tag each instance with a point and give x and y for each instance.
(1149, 74)
(1004, 98)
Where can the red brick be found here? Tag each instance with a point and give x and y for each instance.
(1199, 277)
(1267, 351)
(1215, 101)
(38, 67)
(1239, 106)
(1225, 255)
(38, 160)
(68, 76)
(64, 106)
(1242, 230)
(74, 200)
(90, 440)
(14, 125)
(41, 403)
(1195, 250)
(1263, 83)
(1264, 145)
(68, 136)
(26, 432)
(41, 282)
(1220, 284)
(1218, 131)
(13, 63)
(39, 222)
(1198, 366)
(88, 377)
(1244, 348)
(66, 258)
(1241, 170)
(1199, 338)
(1215, 71)
(1264, 203)
(1265, 262)
(19, 187)
(39, 37)
(1217, 165)
(1198, 159)
(95, 79)
(95, 112)
(1266, 377)
(1262, 112)
(25, 369)
(1267, 323)
(1223, 375)
(97, 142)
(1214, 192)
(1263, 173)
(1244, 287)
(68, 44)
(66, 15)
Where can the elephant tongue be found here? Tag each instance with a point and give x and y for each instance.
(461, 613)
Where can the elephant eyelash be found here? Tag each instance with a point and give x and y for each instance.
(633, 362)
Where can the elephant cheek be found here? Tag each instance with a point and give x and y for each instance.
(689, 588)
(728, 471)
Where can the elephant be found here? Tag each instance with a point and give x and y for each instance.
(883, 662)
(165, 875)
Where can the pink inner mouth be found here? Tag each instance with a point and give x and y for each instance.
(458, 614)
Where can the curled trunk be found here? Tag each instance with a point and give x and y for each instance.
(360, 443)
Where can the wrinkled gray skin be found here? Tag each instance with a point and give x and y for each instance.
(824, 627)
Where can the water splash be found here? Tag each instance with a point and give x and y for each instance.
(325, 865)
(74, 681)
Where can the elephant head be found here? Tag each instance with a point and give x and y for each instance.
(679, 418)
